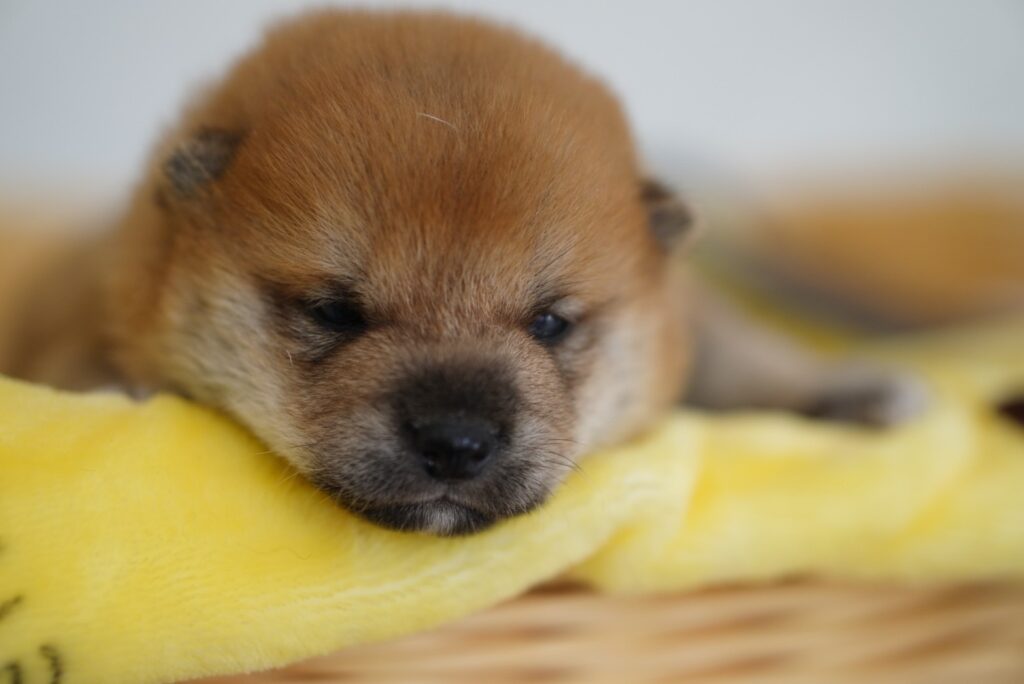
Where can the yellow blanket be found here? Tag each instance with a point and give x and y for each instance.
(156, 542)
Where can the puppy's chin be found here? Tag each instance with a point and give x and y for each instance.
(442, 517)
(412, 504)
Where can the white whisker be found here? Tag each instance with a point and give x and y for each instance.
(438, 119)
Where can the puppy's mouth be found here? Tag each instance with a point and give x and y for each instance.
(444, 509)
(441, 516)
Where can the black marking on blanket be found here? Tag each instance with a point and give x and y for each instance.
(1012, 408)
(54, 662)
(10, 604)
(53, 658)
(14, 670)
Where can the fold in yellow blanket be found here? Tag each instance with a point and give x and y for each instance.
(156, 542)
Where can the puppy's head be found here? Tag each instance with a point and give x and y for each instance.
(413, 253)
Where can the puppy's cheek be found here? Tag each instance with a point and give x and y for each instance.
(543, 449)
(214, 348)
(329, 407)
(358, 458)
(616, 396)
(343, 441)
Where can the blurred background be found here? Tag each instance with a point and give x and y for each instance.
(911, 110)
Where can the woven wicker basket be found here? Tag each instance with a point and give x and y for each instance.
(797, 632)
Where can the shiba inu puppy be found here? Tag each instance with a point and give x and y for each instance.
(417, 255)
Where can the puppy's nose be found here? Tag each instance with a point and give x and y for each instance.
(455, 448)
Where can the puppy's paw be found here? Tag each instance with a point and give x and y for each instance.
(869, 395)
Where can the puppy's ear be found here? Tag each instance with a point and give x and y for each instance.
(670, 220)
(199, 160)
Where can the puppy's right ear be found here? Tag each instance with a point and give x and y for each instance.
(199, 160)
(671, 221)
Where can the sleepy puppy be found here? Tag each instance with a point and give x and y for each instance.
(415, 254)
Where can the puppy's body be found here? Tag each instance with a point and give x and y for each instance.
(414, 253)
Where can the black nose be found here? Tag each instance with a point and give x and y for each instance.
(454, 448)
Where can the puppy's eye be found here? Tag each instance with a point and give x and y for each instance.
(549, 328)
(338, 316)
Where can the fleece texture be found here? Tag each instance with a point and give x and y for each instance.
(157, 541)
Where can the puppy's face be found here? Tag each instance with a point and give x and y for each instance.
(429, 284)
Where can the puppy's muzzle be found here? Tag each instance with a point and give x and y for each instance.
(454, 447)
(456, 418)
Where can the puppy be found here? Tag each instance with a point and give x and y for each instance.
(417, 255)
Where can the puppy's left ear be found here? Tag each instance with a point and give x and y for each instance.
(199, 160)
(670, 219)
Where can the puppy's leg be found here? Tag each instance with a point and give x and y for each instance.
(742, 365)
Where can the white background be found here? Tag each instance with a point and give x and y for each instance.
(751, 88)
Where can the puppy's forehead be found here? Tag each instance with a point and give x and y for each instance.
(468, 157)
(502, 188)
(454, 233)
(422, 256)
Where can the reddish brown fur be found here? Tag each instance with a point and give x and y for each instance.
(454, 174)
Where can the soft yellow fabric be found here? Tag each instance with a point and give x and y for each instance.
(155, 542)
